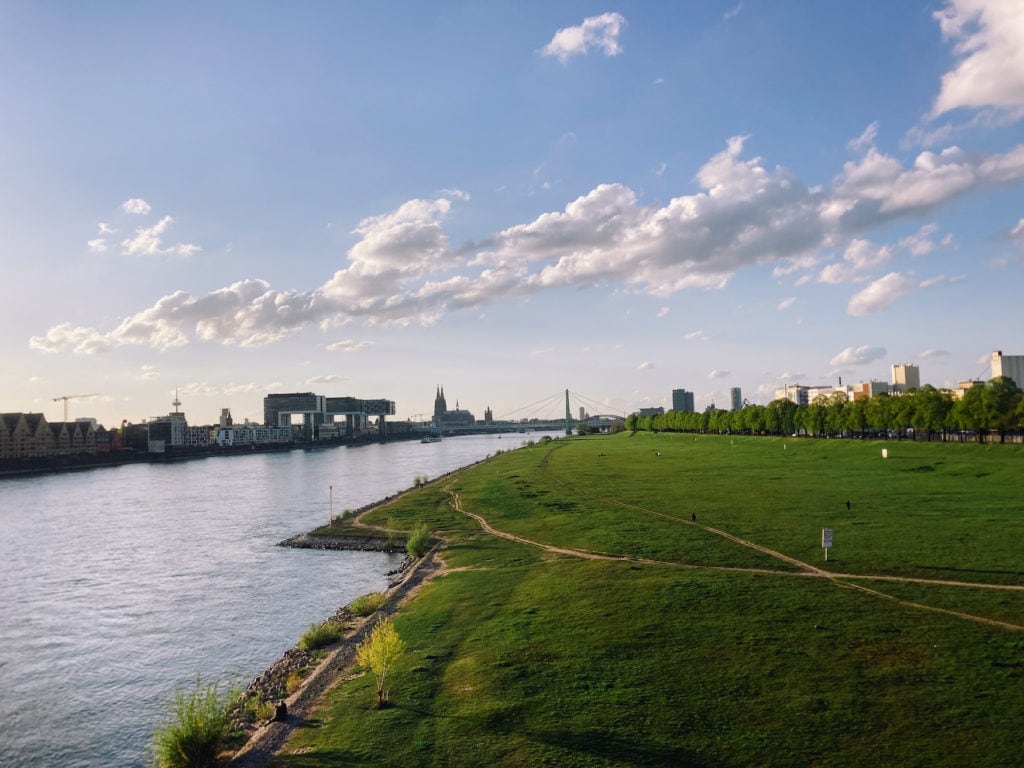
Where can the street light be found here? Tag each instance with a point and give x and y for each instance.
(331, 488)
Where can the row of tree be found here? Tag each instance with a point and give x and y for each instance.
(926, 413)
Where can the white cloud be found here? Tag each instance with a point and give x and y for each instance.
(600, 32)
(717, 374)
(985, 119)
(988, 38)
(921, 243)
(663, 311)
(696, 336)
(458, 194)
(660, 169)
(733, 12)
(99, 245)
(332, 378)
(859, 257)
(403, 270)
(786, 303)
(348, 345)
(105, 229)
(645, 366)
(866, 139)
(137, 206)
(148, 373)
(880, 294)
(858, 356)
(1017, 233)
(148, 241)
(932, 353)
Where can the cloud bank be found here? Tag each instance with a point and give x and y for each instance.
(404, 270)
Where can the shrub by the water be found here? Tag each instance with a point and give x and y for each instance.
(192, 735)
(319, 635)
(258, 709)
(419, 541)
(364, 605)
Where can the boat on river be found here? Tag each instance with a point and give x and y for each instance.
(430, 439)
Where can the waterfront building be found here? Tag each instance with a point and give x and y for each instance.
(659, 411)
(30, 436)
(682, 400)
(905, 376)
(1011, 366)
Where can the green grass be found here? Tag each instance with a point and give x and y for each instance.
(320, 635)
(366, 604)
(523, 657)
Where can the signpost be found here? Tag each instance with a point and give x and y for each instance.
(826, 540)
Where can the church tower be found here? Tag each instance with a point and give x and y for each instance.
(440, 406)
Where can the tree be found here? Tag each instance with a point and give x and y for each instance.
(631, 422)
(969, 412)
(999, 400)
(380, 653)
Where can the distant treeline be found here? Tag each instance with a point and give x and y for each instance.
(985, 413)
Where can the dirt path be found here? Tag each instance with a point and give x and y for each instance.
(805, 569)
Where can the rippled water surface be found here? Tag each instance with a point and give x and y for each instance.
(118, 585)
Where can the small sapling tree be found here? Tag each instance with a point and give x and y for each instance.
(380, 653)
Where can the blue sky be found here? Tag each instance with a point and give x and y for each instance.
(507, 199)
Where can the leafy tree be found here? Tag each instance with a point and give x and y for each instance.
(631, 422)
(879, 412)
(855, 416)
(380, 653)
(835, 408)
(999, 399)
(969, 412)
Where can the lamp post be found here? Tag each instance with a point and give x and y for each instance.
(331, 490)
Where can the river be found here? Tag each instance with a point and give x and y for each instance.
(119, 585)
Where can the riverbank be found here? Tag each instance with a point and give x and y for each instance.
(268, 738)
(662, 601)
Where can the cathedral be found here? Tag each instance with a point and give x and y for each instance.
(444, 417)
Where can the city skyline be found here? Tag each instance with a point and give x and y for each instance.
(619, 200)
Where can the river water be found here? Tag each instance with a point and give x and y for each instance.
(118, 585)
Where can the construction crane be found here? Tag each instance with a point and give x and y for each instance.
(65, 398)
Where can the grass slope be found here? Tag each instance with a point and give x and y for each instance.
(522, 657)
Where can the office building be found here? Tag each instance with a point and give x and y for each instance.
(736, 398)
(905, 376)
(682, 400)
(1011, 366)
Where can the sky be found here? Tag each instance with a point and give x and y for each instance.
(507, 199)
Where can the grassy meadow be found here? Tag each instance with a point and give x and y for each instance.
(682, 647)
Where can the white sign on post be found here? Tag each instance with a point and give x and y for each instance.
(826, 540)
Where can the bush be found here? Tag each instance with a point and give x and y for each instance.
(319, 635)
(192, 735)
(294, 681)
(257, 710)
(364, 605)
(419, 541)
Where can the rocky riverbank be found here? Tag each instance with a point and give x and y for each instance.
(347, 543)
(266, 738)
